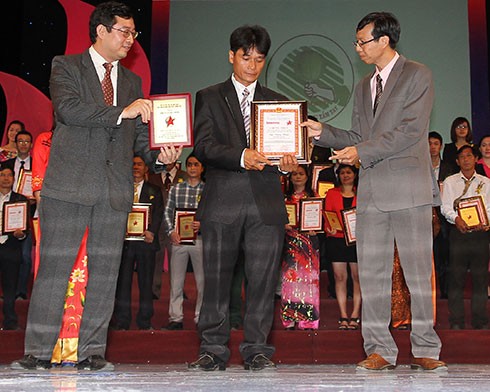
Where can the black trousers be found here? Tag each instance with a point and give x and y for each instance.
(10, 260)
(468, 251)
(262, 246)
(139, 255)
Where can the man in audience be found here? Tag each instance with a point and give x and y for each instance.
(468, 239)
(10, 250)
(242, 207)
(184, 195)
(139, 254)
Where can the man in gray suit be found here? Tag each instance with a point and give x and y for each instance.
(392, 106)
(100, 117)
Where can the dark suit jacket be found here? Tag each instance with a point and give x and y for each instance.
(152, 194)
(11, 163)
(88, 147)
(12, 242)
(220, 138)
(392, 145)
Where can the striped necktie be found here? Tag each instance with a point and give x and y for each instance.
(106, 83)
(379, 93)
(135, 193)
(245, 107)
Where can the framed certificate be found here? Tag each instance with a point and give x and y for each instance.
(184, 218)
(171, 120)
(311, 214)
(349, 220)
(332, 221)
(275, 129)
(323, 187)
(24, 184)
(15, 215)
(472, 210)
(292, 210)
(138, 222)
(315, 173)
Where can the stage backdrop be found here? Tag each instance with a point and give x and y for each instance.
(312, 56)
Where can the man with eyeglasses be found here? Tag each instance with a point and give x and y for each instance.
(388, 139)
(101, 121)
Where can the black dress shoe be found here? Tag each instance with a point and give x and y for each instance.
(174, 326)
(207, 362)
(95, 362)
(30, 362)
(258, 362)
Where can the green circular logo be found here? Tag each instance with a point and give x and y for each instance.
(314, 68)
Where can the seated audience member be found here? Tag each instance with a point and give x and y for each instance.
(184, 195)
(441, 169)
(468, 243)
(461, 135)
(139, 254)
(10, 251)
(9, 150)
(300, 270)
(341, 198)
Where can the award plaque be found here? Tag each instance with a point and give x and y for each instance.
(138, 222)
(349, 220)
(311, 214)
(292, 210)
(24, 184)
(323, 187)
(14, 217)
(275, 129)
(472, 211)
(332, 221)
(184, 218)
(315, 173)
(171, 120)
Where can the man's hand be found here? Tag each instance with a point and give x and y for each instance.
(149, 236)
(140, 107)
(314, 128)
(288, 163)
(254, 160)
(347, 156)
(19, 234)
(174, 238)
(461, 225)
(196, 226)
(169, 154)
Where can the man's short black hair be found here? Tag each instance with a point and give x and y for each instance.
(4, 166)
(385, 23)
(466, 147)
(105, 14)
(248, 37)
(24, 132)
(435, 135)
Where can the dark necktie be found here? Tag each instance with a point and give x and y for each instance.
(106, 83)
(135, 193)
(467, 184)
(168, 182)
(244, 106)
(22, 163)
(379, 93)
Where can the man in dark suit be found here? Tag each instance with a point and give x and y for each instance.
(242, 207)
(100, 118)
(139, 253)
(10, 250)
(388, 139)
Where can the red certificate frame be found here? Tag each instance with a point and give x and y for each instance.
(311, 214)
(171, 120)
(275, 129)
(15, 216)
(24, 184)
(184, 217)
(349, 221)
(315, 173)
(332, 221)
(138, 222)
(472, 211)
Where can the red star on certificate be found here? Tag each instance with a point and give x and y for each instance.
(169, 120)
(289, 122)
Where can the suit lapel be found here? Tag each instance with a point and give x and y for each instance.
(231, 100)
(391, 82)
(92, 79)
(367, 99)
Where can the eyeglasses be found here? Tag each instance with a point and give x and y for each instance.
(462, 126)
(360, 43)
(125, 32)
(6, 174)
(24, 141)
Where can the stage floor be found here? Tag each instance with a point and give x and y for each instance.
(127, 378)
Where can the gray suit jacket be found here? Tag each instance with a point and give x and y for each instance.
(88, 147)
(396, 169)
(220, 138)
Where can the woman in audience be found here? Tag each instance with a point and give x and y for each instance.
(461, 134)
(338, 199)
(9, 151)
(300, 293)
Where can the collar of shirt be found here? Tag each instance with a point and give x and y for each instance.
(99, 62)
(384, 73)
(4, 198)
(26, 160)
(240, 87)
(467, 179)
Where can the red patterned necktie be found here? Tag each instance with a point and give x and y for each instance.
(106, 83)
